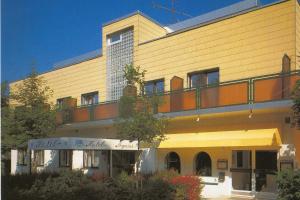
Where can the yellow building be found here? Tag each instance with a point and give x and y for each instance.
(226, 76)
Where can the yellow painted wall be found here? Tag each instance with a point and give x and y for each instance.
(246, 45)
(297, 34)
(88, 76)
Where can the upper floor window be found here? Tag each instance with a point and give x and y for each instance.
(203, 78)
(21, 156)
(154, 87)
(61, 101)
(65, 158)
(39, 157)
(89, 98)
(114, 38)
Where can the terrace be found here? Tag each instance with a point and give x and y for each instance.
(186, 101)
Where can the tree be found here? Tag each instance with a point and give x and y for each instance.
(32, 117)
(137, 121)
(296, 106)
(4, 94)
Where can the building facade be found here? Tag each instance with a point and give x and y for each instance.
(225, 78)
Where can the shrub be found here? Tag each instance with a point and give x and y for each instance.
(190, 184)
(158, 189)
(166, 175)
(288, 185)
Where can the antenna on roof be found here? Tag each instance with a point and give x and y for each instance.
(172, 10)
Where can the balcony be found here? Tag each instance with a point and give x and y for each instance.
(261, 89)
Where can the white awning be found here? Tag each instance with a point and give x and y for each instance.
(82, 143)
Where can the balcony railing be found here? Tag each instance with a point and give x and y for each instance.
(260, 89)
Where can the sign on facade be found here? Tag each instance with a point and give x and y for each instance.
(82, 143)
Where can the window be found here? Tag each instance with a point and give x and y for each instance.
(21, 156)
(89, 98)
(91, 158)
(60, 102)
(123, 161)
(65, 158)
(203, 78)
(173, 162)
(114, 38)
(154, 87)
(241, 159)
(203, 164)
(39, 157)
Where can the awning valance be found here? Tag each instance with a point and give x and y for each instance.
(237, 138)
(82, 143)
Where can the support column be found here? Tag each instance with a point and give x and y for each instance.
(110, 164)
(253, 178)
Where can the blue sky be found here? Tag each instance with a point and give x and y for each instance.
(40, 33)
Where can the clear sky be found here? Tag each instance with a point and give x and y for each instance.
(43, 32)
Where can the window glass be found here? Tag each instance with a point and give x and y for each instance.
(159, 86)
(241, 159)
(65, 158)
(21, 156)
(115, 37)
(89, 98)
(123, 161)
(154, 87)
(173, 162)
(149, 88)
(203, 164)
(204, 78)
(195, 80)
(39, 157)
(212, 78)
(91, 158)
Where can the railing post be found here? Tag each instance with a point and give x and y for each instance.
(91, 112)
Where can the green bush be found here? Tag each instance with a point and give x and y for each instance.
(158, 189)
(70, 185)
(289, 185)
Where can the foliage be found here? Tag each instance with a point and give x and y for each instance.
(136, 118)
(191, 185)
(134, 75)
(4, 94)
(296, 106)
(158, 189)
(288, 185)
(32, 92)
(75, 185)
(166, 175)
(32, 117)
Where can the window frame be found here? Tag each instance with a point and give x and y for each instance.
(69, 158)
(87, 94)
(93, 155)
(42, 152)
(167, 161)
(196, 160)
(60, 105)
(24, 157)
(154, 90)
(109, 37)
(203, 72)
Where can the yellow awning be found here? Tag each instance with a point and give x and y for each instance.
(239, 138)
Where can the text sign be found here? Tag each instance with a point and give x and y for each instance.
(82, 143)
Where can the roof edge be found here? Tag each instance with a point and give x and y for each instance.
(130, 15)
(215, 21)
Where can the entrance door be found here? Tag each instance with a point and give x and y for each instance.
(241, 170)
(265, 172)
